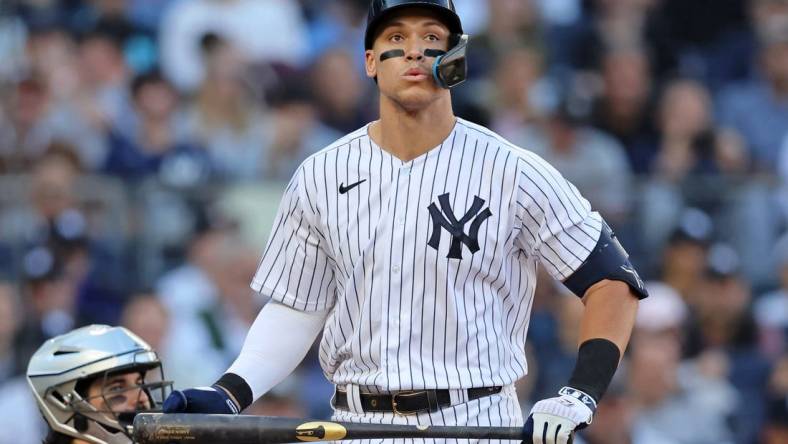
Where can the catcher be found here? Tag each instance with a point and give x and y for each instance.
(91, 382)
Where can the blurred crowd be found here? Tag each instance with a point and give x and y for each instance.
(144, 145)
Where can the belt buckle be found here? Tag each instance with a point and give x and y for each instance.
(394, 403)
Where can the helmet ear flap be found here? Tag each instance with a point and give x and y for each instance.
(454, 39)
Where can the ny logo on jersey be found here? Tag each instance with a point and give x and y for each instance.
(456, 228)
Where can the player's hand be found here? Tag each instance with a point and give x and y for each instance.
(556, 419)
(200, 400)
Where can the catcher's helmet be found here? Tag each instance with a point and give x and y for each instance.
(380, 9)
(59, 369)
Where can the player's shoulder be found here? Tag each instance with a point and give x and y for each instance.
(522, 154)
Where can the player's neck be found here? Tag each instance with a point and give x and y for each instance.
(409, 134)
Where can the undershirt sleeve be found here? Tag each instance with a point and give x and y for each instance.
(268, 356)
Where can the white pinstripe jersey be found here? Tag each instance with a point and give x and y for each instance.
(429, 266)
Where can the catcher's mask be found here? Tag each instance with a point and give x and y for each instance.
(91, 382)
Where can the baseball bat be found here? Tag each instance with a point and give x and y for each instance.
(176, 428)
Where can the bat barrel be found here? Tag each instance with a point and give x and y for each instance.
(153, 428)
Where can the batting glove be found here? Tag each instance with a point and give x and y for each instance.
(200, 400)
(556, 419)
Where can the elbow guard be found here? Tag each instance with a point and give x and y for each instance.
(608, 260)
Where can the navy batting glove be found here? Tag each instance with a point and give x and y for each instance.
(212, 400)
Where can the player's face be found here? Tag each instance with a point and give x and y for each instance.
(407, 78)
(120, 393)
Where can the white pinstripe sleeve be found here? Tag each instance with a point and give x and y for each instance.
(295, 269)
(557, 223)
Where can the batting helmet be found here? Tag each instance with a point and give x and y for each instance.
(59, 369)
(380, 9)
(450, 67)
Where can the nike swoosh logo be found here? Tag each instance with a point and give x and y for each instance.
(344, 189)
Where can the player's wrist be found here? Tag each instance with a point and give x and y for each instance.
(578, 398)
(597, 361)
(236, 389)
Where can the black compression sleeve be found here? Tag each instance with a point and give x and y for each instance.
(597, 361)
(238, 387)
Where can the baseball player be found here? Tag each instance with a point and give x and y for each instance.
(413, 245)
(89, 383)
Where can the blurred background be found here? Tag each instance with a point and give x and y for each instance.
(144, 146)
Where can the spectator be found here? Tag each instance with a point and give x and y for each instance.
(682, 262)
(771, 309)
(52, 192)
(223, 117)
(12, 44)
(24, 133)
(615, 415)
(612, 26)
(674, 401)
(723, 323)
(240, 23)
(519, 85)
(33, 121)
(722, 304)
(689, 144)
(622, 23)
(511, 24)
(624, 108)
(590, 159)
(697, 164)
(339, 91)
(677, 385)
(664, 312)
(210, 305)
(153, 144)
(103, 99)
(776, 428)
(110, 16)
(53, 216)
(335, 24)
(16, 401)
(758, 110)
(715, 47)
(51, 53)
(145, 316)
(50, 299)
(298, 133)
(11, 364)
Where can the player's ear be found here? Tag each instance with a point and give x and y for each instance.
(370, 63)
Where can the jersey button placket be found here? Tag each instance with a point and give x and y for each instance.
(396, 278)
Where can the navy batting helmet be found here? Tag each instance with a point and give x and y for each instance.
(380, 9)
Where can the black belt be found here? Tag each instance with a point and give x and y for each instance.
(409, 402)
